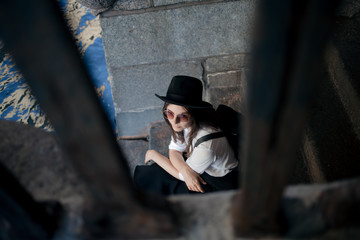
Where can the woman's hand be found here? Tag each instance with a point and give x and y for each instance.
(193, 180)
(150, 156)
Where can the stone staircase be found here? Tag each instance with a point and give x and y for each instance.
(134, 150)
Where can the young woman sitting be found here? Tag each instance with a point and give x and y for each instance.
(192, 167)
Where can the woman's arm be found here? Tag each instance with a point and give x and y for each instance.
(162, 161)
(200, 159)
(192, 178)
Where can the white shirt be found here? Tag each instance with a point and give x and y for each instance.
(215, 156)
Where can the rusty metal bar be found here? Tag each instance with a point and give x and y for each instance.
(289, 42)
(45, 52)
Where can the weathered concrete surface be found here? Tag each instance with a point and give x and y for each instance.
(205, 216)
(228, 88)
(134, 88)
(328, 211)
(158, 3)
(131, 4)
(316, 210)
(36, 159)
(176, 34)
(97, 6)
(134, 152)
(160, 134)
(136, 123)
(227, 63)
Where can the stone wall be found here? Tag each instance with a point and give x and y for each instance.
(146, 43)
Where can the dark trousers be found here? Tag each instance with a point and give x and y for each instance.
(156, 180)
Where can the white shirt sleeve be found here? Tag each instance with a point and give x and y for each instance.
(181, 177)
(200, 159)
(177, 145)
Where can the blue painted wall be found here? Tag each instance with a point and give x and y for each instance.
(16, 100)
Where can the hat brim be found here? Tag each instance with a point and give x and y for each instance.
(202, 104)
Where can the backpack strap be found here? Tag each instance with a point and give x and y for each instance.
(208, 137)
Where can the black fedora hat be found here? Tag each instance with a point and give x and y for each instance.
(185, 91)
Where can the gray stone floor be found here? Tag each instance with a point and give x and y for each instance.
(326, 211)
(134, 150)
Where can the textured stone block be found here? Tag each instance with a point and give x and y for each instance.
(134, 152)
(175, 34)
(228, 88)
(160, 135)
(210, 213)
(225, 79)
(311, 210)
(133, 88)
(97, 6)
(226, 63)
(158, 3)
(229, 96)
(137, 123)
(131, 4)
(37, 161)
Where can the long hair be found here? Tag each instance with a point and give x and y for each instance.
(198, 118)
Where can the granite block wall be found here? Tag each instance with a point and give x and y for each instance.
(146, 43)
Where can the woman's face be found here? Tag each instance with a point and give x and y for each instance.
(178, 117)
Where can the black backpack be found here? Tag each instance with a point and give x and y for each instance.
(229, 122)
